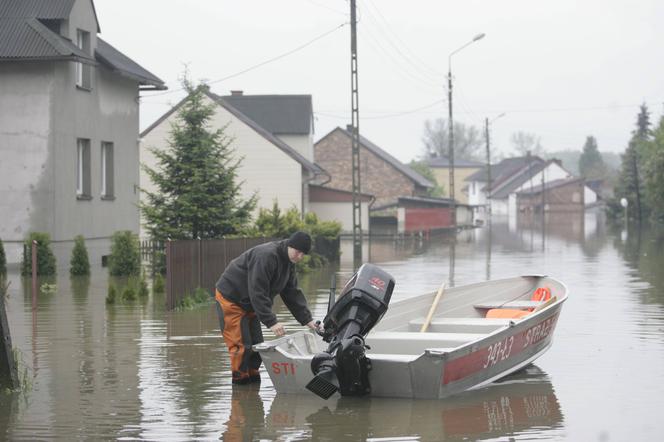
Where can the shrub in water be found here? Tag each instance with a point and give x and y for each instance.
(128, 294)
(125, 258)
(159, 284)
(79, 263)
(45, 257)
(143, 287)
(111, 295)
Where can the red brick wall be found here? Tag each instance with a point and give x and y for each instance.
(424, 219)
(567, 198)
(377, 177)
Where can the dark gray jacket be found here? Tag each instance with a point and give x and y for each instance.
(254, 278)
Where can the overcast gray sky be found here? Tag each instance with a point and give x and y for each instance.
(560, 69)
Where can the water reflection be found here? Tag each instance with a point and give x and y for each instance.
(131, 370)
(521, 403)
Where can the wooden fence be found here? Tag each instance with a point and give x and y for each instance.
(191, 264)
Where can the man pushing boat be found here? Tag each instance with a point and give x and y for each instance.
(245, 293)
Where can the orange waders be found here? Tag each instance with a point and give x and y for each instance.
(241, 329)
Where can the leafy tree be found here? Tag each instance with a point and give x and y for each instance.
(591, 164)
(653, 175)
(423, 169)
(197, 195)
(525, 142)
(467, 140)
(125, 256)
(45, 257)
(79, 263)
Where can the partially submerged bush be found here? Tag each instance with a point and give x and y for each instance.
(79, 263)
(125, 258)
(45, 257)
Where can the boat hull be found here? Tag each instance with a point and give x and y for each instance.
(435, 373)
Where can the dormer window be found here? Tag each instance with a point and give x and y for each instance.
(83, 71)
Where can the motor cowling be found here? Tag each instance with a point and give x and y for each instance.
(344, 366)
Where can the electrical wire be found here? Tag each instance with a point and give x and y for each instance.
(270, 60)
(412, 58)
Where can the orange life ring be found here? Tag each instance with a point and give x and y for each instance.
(542, 294)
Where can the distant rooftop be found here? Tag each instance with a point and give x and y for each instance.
(279, 114)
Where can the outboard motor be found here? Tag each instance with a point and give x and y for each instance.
(344, 366)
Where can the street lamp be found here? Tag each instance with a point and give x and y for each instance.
(451, 123)
(488, 161)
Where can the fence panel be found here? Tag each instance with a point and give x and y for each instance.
(191, 264)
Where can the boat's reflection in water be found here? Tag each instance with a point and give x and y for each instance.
(522, 403)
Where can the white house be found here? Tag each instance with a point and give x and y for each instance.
(271, 169)
(69, 117)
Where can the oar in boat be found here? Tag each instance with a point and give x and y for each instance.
(432, 310)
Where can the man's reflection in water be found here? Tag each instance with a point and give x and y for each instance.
(247, 417)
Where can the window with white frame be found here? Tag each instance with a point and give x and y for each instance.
(83, 71)
(107, 181)
(83, 168)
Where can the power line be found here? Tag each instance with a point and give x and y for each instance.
(270, 60)
(409, 58)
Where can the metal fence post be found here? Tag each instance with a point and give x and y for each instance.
(34, 274)
(169, 276)
(200, 262)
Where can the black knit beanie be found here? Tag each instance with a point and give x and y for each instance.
(300, 241)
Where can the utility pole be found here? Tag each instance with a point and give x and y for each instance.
(488, 169)
(450, 147)
(355, 120)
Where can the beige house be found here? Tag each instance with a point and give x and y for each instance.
(271, 168)
(462, 170)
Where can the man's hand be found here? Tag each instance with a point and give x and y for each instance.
(316, 326)
(278, 329)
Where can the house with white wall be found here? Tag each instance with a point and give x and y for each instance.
(270, 168)
(69, 117)
(518, 176)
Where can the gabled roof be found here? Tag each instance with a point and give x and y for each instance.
(407, 171)
(278, 114)
(502, 170)
(249, 122)
(44, 9)
(510, 183)
(24, 39)
(40, 9)
(458, 163)
(119, 63)
(550, 185)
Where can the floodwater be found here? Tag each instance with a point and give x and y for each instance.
(132, 371)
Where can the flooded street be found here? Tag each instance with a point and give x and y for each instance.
(133, 371)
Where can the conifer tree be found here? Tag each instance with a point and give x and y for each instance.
(79, 264)
(591, 164)
(196, 190)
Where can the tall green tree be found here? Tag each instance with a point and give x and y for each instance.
(653, 174)
(630, 183)
(591, 164)
(468, 140)
(196, 190)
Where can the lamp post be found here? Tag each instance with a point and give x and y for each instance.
(488, 162)
(451, 123)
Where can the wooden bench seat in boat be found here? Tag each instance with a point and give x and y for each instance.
(459, 325)
(508, 304)
(410, 343)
